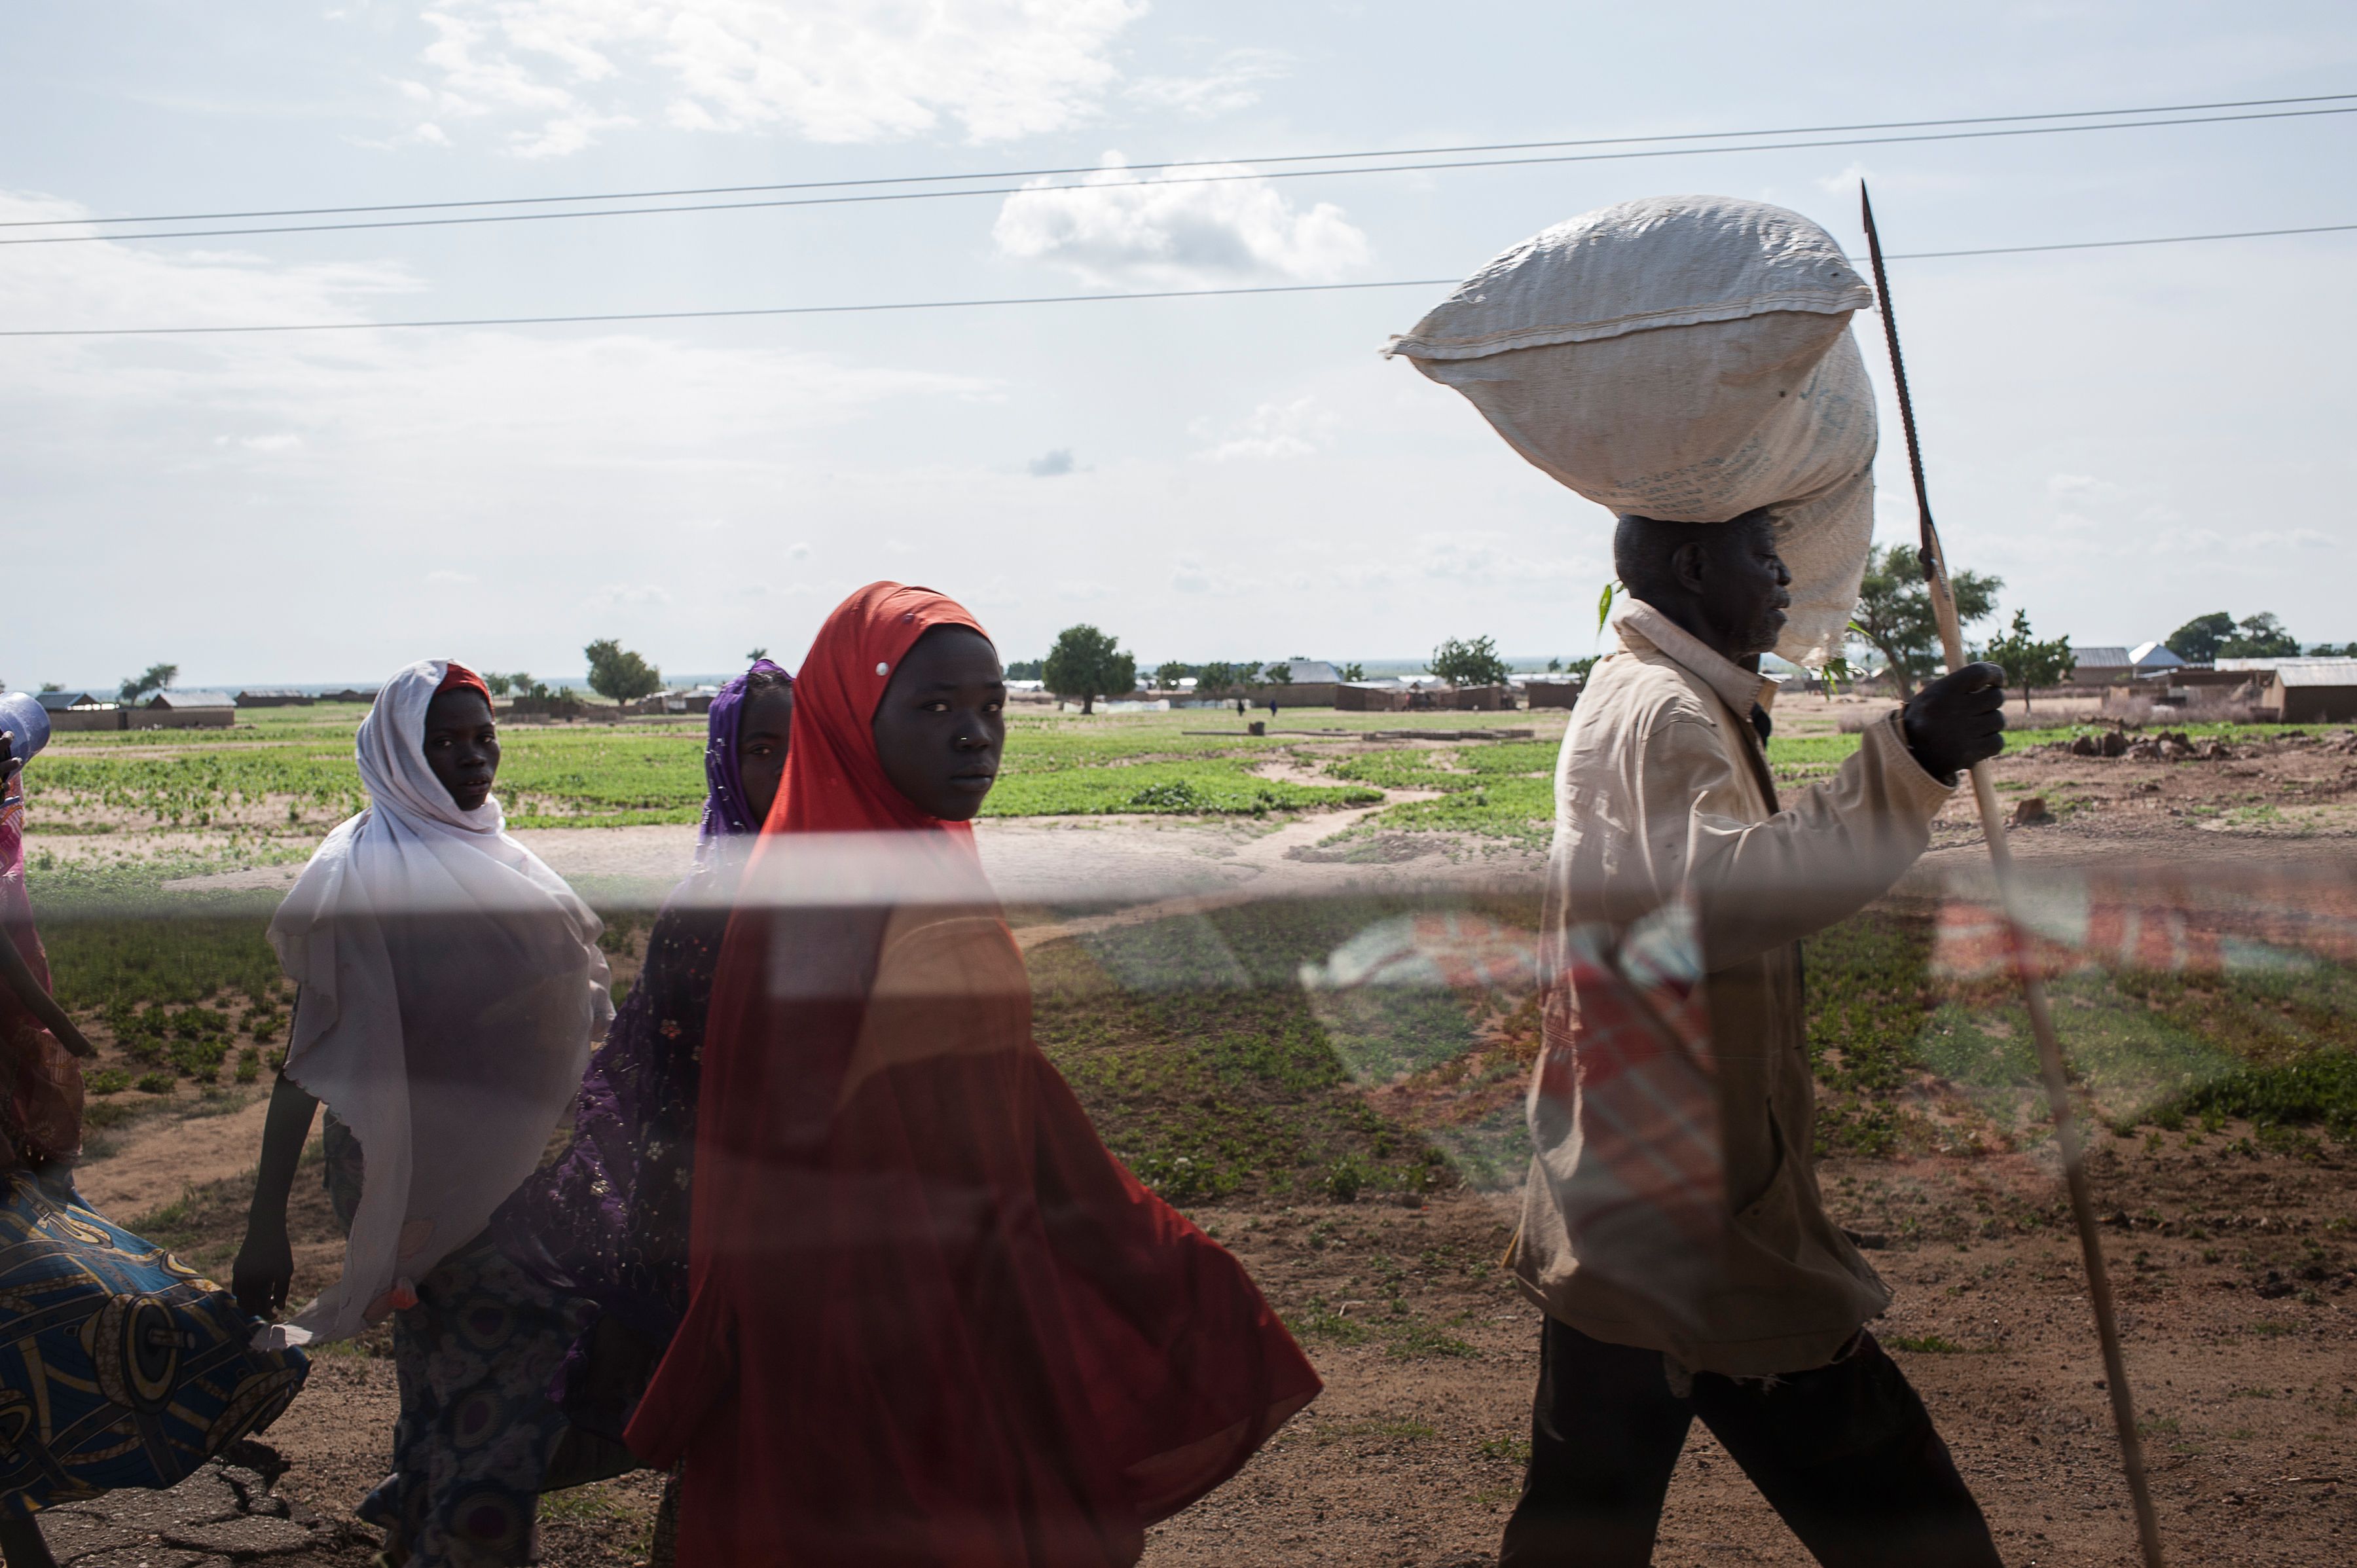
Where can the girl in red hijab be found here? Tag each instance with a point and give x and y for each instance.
(932, 1323)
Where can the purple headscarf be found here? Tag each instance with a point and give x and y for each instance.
(726, 814)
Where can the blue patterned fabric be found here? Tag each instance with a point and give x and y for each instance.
(119, 1366)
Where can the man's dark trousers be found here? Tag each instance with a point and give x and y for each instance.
(1844, 1453)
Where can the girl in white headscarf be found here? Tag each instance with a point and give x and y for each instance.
(451, 987)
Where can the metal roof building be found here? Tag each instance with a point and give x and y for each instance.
(2311, 691)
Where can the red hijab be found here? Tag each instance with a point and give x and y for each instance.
(834, 782)
(932, 1323)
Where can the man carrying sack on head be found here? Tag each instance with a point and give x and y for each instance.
(1686, 362)
(1662, 794)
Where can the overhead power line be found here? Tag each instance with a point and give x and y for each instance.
(616, 317)
(865, 197)
(1187, 163)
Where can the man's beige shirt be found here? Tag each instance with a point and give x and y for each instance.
(1662, 791)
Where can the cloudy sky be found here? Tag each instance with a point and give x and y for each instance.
(2128, 436)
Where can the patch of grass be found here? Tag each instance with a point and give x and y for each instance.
(2319, 1090)
(1416, 1339)
(1382, 1430)
(1870, 994)
(1207, 788)
(1320, 1321)
(1925, 1344)
(1208, 1069)
(1505, 1450)
(1517, 809)
(1404, 768)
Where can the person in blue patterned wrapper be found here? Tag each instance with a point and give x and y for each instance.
(119, 1366)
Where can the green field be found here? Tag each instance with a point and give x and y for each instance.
(291, 771)
(1203, 1058)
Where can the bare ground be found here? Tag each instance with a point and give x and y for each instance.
(2236, 1275)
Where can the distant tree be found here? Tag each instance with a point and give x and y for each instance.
(1217, 676)
(1023, 670)
(1894, 612)
(1554, 666)
(1279, 674)
(2197, 641)
(620, 675)
(2261, 636)
(156, 678)
(1087, 664)
(755, 655)
(1474, 664)
(51, 686)
(496, 681)
(2028, 663)
(1355, 673)
(1169, 672)
(2321, 651)
(1578, 668)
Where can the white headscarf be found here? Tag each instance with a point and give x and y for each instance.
(452, 987)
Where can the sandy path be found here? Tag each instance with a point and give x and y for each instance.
(153, 1163)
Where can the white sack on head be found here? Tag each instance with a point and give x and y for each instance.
(451, 987)
(1686, 357)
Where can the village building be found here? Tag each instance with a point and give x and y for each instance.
(80, 709)
(186, 710)
(274, 697)
(2310, 692)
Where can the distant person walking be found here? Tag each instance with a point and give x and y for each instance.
(118, 1366)
(450, 988)
(932, 1323)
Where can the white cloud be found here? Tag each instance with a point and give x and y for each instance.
(1230, 85)
(799, 550)
(1052, 465)
(1165, 232)
(621, 596)
(1272, 430)
(831, 70)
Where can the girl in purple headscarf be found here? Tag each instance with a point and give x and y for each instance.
(608, 1221)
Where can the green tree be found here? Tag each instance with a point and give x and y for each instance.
(2197, 641)
(1023, 670)
(1474, 664)
(1353, 672)
(155, 678)
(2028, 663)
(1279, 674)
(1894, 612)
(2261, 636)
(497, 682)
(620, 675)
(1169, 672)
(2321, 651)
(1087, 664)
(755, 655)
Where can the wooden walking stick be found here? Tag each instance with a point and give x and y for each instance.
(2033, 989)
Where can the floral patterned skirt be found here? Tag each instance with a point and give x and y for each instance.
(478, 1434)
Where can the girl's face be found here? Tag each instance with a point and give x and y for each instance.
(462, 745)
(943, 722)
(761, 739)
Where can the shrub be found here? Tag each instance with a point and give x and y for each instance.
(157, 1083)
(106, 1081)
